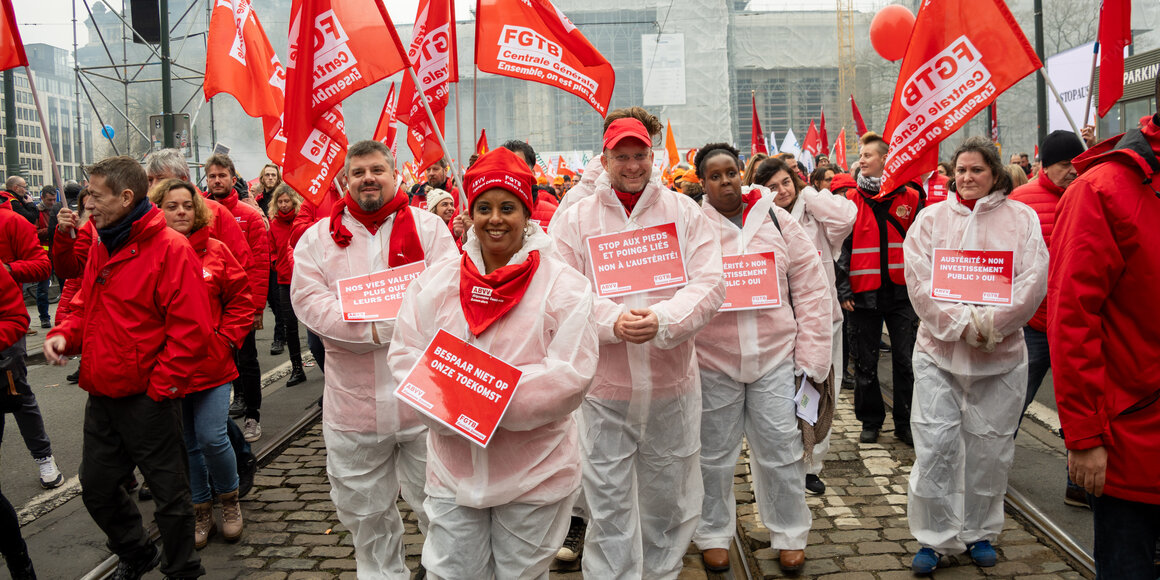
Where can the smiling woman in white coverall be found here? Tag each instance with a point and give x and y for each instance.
(640, 424)
(751, 362)
(970, 363)
(502, 511)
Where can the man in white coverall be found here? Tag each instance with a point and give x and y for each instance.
(640, 423)
(374, 443)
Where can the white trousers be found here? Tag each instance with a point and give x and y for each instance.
(964, 443)
(509, 542)
(642, 484)
(765, 413)
(366, 474)
(837, 358)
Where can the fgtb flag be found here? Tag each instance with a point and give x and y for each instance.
(336, 49)
(11, 47)
(239, 61)
(840, 150)
(534, 41)
(385, 131)
(432, 53)
(962, 54)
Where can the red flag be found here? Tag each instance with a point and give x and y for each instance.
(432, 52)
(534, 41)
(840, 150)
(481, 145)
(1115, 34)
(859, 124)
(822, 132)
(757, 138)
(11, 47)
(336, 49)
(813, 143)
(239, 61)
(961, 55)
(385, 130)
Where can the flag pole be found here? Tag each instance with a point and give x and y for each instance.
(1058, 99)
(1087, 108)
(458, 133)
(422, 98)
(44, 131)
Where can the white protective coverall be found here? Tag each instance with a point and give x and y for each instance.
(967, 401)
(373, 443)
(592, 172)
(749, 360)
(502, 511)
(828, 220)
(640, 423)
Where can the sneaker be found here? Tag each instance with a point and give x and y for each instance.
(251, 430)
(50, 476)
(814, 485)
(45, 323)
(134, 569)
(276, 347)
(75, 377)
(983, 555)
(144, 494)
(1076, 496)
(869, 435)
(925, 561)
(883, 347)
(237, 407)
(573, 542)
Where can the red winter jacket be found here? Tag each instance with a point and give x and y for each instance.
(280, 250)
(20, 249)
(69, 255)
(309, 213)
(230, 311)
(1043, 197)
(258, 241)
(142, 316)
(545, 208)
(225, 227)
(1102, 311)
(13, 315)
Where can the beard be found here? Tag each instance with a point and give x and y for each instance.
(370, 205)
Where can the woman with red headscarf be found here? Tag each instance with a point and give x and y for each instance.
(503, 510)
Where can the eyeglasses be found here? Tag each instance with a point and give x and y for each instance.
(639, 157)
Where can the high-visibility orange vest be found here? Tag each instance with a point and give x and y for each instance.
(881, 223)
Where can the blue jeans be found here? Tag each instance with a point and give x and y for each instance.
(204, 416)
(1126, 535)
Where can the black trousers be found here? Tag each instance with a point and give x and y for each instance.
(290, 324)
(272, 298)
(136, 431)
(249, 377)
(865, 336)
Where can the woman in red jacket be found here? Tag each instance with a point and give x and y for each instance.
(13, 324)
(283, 210)
(207, 401)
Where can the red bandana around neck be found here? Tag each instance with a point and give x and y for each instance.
(628, 200)
(970, 203)
(487, 298)
(749, 199)
(404, 247)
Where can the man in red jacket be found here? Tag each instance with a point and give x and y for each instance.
(1101, 322)
(220, 176)
(142, 317)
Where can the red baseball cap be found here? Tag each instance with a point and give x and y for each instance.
(626, 128)
(842, 180)
(503, 169)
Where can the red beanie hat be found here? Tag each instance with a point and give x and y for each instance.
(503, 169)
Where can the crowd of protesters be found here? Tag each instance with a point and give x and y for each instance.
(619, 446)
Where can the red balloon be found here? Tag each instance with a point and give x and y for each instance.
(890, 31)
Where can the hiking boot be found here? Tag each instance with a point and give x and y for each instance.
(231, 516)
(203, 524)
(50, 476)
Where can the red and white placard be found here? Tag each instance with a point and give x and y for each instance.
(461, 386)
(751, 282)
(376, 296)
(637, 261)
(973, 276)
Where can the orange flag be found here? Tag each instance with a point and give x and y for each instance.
(962, 55)
(337, 48)
(385, 130)
(432, 52)
(671, 145)
(239, 61)
(534, 41)
(11, 47)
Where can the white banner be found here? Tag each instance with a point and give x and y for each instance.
(1071, 71)
(663, 68)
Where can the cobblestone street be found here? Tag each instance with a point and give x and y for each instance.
(859, 531)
